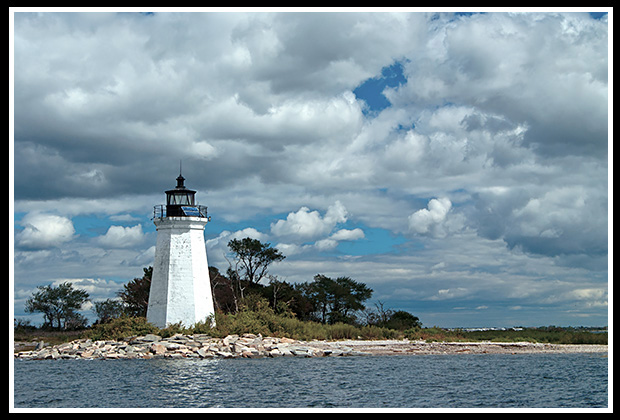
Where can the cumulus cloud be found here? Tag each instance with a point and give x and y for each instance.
(546, 69)
(44, 231)
(96, 288)
(430, 221)
(226, 236)
(348, 234)
(306, 224)
(217, 248)
(333, 240)
(122, 237)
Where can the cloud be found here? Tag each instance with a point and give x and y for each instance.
(545, 69)
(44, 231)
(96, 288)
(430, 221)
(502, 115)
(348, 234)
(217, 248)
(122, 237)
(305, 224)
(335, 238)
(567, 220)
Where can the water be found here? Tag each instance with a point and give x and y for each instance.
(435, 381)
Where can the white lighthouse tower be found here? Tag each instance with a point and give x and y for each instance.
(180, 285)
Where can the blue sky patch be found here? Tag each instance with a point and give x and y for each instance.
(371, 91)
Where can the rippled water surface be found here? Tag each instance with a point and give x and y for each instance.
(527, 380)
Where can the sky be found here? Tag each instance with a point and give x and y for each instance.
(456, 163)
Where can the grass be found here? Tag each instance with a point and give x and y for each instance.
(264, 321)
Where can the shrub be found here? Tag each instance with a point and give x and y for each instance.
(120, 328)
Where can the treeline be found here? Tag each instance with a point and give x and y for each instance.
(249, 299)
(324, 299)
(246, 285)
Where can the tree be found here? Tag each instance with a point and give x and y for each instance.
(336, 300)
(59, 305)
(135, 294)
(224, 298)
(108, 309)
(401, 320)
(253, 258)
(388, 318)
(286, 298)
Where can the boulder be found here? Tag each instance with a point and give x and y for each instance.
(157, 348)
(205, 352)
(230, 339)
(151, 338)
(172, 346)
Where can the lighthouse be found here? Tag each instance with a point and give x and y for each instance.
(180, 285)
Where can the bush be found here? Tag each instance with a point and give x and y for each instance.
(120, 328)
(258, 317)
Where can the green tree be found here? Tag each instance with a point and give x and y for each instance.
(337, 300)
(285, 298)
(59, 305)
(402, 320)
(388, 318)
(108, 310)
(253, 258)
(135, 294)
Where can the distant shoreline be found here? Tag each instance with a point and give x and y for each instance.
(406, 347)
(255, 346)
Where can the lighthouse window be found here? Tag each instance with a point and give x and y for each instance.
(179, 199)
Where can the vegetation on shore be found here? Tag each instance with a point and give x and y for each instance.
(324, 309)
(263, 320)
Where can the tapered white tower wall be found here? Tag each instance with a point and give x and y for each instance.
(180, 285)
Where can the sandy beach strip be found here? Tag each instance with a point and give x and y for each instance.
(406, 347)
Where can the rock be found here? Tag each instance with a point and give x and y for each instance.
(275, 353)
(240, 348)
(174, 355)
(202, 337)
(255, 346)
(149, 338)
(248, 354)
(171, 346)
(157, 348)
(301, 351)
(204, 352)
(88, 353)
(230, 339)
(285, 352)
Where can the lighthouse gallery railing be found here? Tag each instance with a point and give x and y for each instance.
(159, 211)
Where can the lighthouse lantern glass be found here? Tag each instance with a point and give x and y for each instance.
(181, 198)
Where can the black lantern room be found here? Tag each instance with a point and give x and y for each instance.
(178, 198)
(180, 202)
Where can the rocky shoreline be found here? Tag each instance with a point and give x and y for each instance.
(202, 346)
